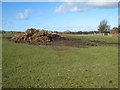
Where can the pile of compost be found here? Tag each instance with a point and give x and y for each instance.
(36, 36)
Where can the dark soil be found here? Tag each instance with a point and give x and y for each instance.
(80, 43)
(72, 43)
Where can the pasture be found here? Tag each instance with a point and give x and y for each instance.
(40, 66)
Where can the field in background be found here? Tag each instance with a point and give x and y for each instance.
(59, 66)
(92, 37)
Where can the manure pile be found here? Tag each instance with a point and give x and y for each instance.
(36, 36)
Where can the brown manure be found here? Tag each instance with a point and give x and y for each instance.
(36, 36)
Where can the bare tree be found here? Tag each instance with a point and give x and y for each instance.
(103, 27)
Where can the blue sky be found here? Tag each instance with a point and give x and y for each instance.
(57, 16)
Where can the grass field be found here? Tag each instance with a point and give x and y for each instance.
(32, 66)
(92, 37)
(0, 61)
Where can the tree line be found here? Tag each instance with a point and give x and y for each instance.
(103, 28)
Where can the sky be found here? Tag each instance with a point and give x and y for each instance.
(58, 16)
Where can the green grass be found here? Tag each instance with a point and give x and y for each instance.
(94, 37)
(58, 66)
(0, 61)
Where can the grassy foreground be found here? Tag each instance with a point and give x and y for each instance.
(55, 67)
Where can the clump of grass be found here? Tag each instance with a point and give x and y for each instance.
(91, 44)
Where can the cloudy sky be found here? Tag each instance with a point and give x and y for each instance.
(58, 16)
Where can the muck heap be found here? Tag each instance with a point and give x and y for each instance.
(36, 36)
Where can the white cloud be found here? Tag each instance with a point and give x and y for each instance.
(82, 6)
(103, 4)
(23, 15)
(70, 7)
